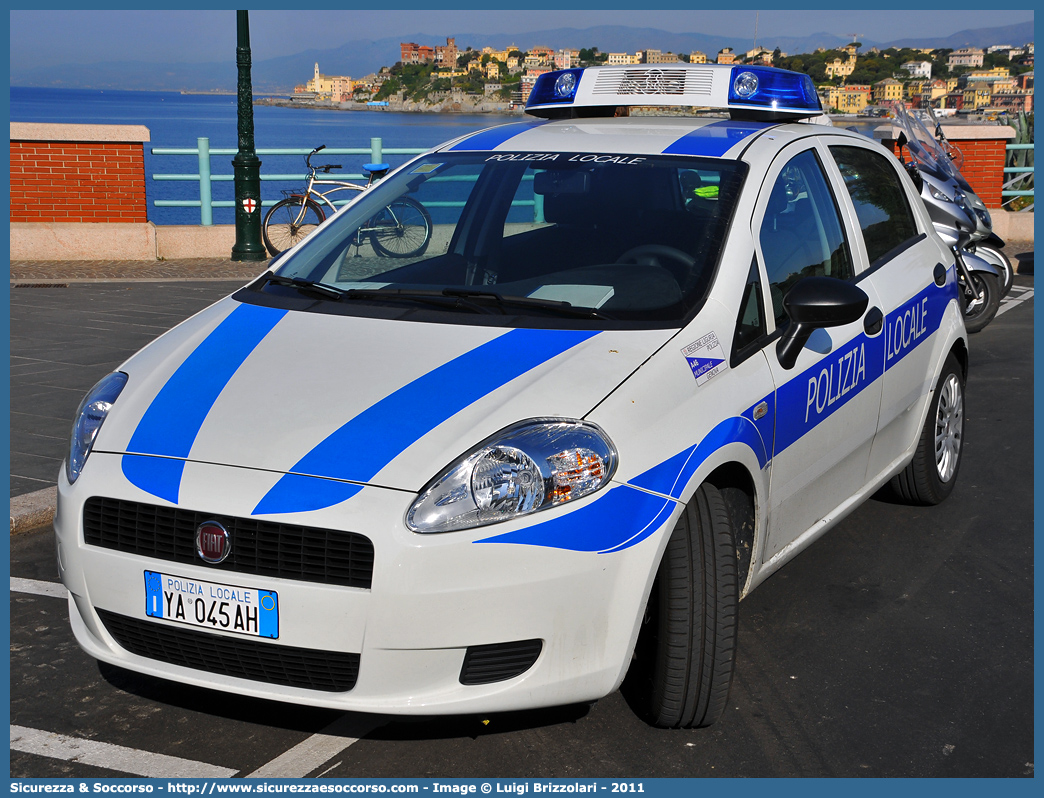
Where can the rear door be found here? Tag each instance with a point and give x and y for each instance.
(895, 256)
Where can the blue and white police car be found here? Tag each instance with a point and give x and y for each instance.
(638, 364)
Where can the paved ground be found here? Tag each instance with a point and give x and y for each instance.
(899, 645)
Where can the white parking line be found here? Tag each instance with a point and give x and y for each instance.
(1009, 301)
(38, 588)
(299, 761)
(112, 757)
(321, 747)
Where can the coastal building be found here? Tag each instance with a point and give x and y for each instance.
(335, 87)
(918, 69)
(563, 59)
(726, 56)
(850, 99)
(659, 57)
(976, 97)
(697, 57)
(842, 68)
(965, 57)
(492, 70)
(446, 55)
(545, 54)
(622, 58)
(887, 90)
(1013, 101)
(757, 53)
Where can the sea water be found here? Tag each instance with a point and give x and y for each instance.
(177, 120)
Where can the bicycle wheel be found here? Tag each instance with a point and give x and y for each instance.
(401, 230)
(285, 225)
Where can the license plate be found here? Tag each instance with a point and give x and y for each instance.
(209, 605)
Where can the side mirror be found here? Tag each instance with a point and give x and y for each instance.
(816, 302)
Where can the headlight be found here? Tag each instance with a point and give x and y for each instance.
(525, 468)
(939, 195)
(89, 417)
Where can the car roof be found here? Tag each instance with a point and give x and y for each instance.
(712, 137)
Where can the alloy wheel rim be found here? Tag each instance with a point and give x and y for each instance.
(949, 428)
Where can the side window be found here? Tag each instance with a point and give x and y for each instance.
(750, 326)
(802, 235)
(879, 199)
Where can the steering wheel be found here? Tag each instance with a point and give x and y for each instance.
(678, 263)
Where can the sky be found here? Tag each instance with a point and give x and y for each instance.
(81, 36)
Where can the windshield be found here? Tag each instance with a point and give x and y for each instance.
(581, 236)
(924, 148)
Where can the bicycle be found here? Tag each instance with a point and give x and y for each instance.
(401, 229)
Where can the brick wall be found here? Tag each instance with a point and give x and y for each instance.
(78, 173)
(983, 148)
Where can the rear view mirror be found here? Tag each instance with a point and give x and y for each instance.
(561, 182)
(816, 302)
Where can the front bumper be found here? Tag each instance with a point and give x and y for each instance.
(431, 598)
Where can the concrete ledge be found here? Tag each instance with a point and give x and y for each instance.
(1013, 226)
(32, 510)
(33, 131)
(81, 241)
(174, 242)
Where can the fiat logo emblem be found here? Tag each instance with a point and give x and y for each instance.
(213, 543)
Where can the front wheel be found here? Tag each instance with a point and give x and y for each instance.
(402, 229)
(930, 476)
(1000, 260)
(688, 642)
(288, 223)
(978, 312)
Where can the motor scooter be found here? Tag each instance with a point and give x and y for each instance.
(954, 219)
(985, 242)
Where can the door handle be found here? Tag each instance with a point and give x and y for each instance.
(873, 321)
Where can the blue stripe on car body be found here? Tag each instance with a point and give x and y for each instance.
(494, 137)
(367, 443)
(620, 519)
(715, 139)
(171, 423)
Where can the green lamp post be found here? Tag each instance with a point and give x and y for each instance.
(246, 166)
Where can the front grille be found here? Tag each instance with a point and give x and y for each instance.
(499, 661)
(330, 671)
(287, 551)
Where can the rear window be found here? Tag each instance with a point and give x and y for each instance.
(588, 237)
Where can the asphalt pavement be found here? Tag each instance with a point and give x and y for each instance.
(901, 644)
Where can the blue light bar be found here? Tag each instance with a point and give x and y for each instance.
(555, 87)
(772, 90)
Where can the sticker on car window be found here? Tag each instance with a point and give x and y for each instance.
(425, 168)
(706, 358)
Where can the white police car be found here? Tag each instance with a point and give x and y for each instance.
(639, 364)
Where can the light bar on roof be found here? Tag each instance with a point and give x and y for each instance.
(746, 92)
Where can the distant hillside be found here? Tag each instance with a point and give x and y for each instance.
(358, 58)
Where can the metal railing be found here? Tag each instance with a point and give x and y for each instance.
(206, 204)
(1022, 184)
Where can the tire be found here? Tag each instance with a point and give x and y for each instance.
(690, 634)
(931, 475)
(401, 230)
(980, 312)
(1003, 264)
(281, 230)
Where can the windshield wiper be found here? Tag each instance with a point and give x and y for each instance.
(552, 305)
(427, 297)
(306, 286)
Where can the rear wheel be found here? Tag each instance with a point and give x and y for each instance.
(285, 225)
(978, 312)
(1003, 264)
(690, 631)
(401, 230)
(930, 476)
